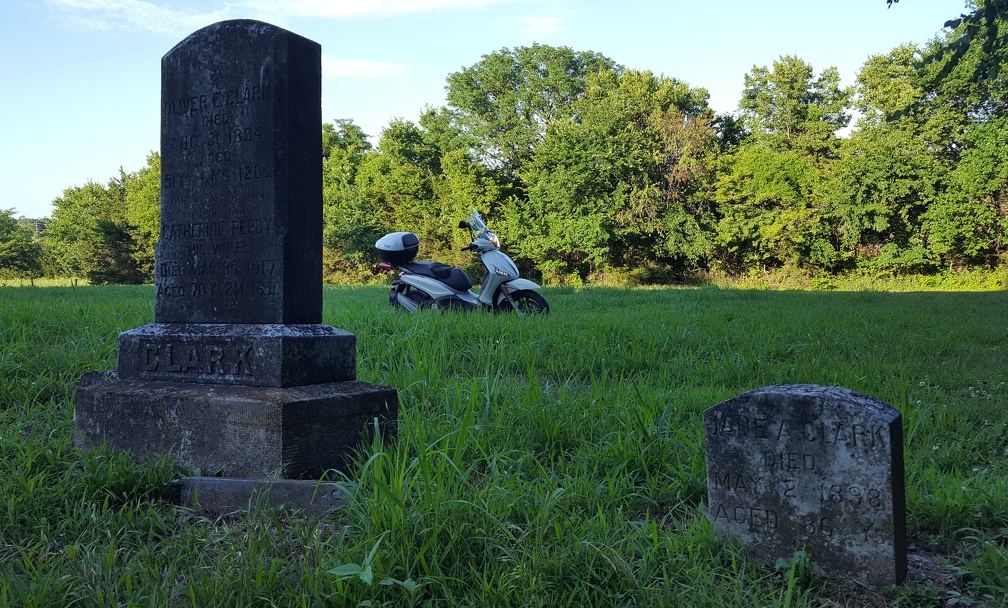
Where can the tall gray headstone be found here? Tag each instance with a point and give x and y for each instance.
(237, 375)
(241, 174)
(810, 467)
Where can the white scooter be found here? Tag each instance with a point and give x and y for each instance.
(436, 285)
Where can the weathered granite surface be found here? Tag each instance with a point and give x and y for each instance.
(234, 431)
(811, 467)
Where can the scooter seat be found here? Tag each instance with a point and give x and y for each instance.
(456, 278)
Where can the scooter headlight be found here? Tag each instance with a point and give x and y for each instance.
(493, 239)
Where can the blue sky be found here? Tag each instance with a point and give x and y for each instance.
(81, 78)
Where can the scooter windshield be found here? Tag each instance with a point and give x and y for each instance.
(476, 222)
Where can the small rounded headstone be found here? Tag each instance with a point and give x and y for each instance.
(813, 468)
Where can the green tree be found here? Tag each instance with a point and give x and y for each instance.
(344, 141)
(968, 224)
(443, 129)
(887, 87)
(953, 82)
(89, 236)
(772, 189)
(398, 179)
(462, 185)
(142, 217)
(769, 212)
(349, 225)
(980, 33)
(507, 100)
(789, 108)
(20, 253)
(616, 188)
(70, 228)
(415, 186)
(891, 168)
(923, 180)
(882, 186)
(112, 255)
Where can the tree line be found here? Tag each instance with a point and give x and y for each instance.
(590, 171)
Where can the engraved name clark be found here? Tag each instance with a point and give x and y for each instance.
(200, 359)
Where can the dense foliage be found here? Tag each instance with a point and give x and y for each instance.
(590, 171)
(20, 253)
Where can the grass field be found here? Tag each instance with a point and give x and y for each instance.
(553, 461)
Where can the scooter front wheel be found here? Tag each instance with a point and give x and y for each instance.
(526, 302)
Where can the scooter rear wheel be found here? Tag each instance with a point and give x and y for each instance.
(527, 302)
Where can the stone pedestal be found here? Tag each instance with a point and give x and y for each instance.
(248, 432)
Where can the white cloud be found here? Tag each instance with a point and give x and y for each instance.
(135, 15)
(184, 16)
(336, 68)
(375, 8)
(541, 26)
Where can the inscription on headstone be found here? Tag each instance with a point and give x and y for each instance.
(811, 467)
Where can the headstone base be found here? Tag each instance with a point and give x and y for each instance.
(239, 431)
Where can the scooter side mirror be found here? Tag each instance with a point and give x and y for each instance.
(463, 224)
